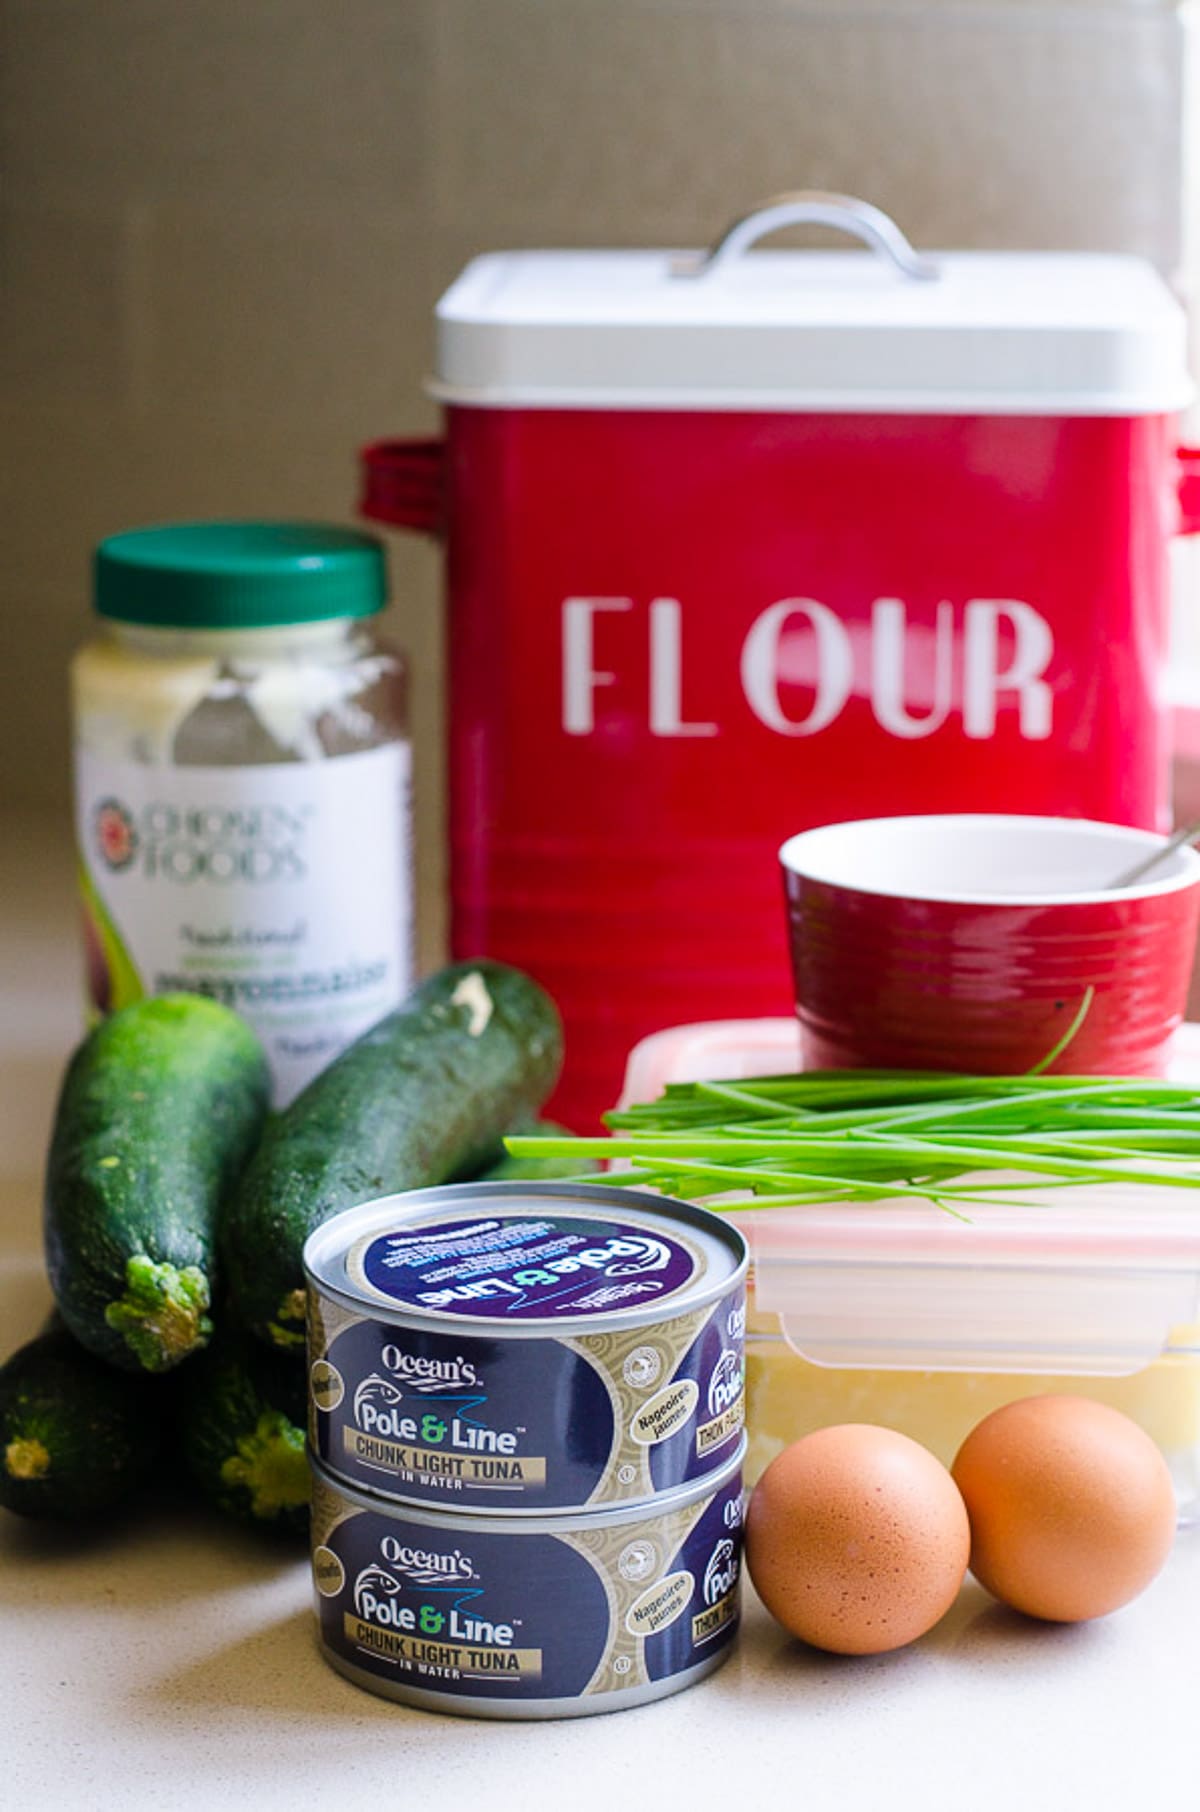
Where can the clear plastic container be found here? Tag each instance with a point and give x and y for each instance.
(901, 1314)
(898, 1313)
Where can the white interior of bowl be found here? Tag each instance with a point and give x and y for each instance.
(986, 858)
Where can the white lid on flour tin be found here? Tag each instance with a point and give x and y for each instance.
(522, 1258)
(1043, 333)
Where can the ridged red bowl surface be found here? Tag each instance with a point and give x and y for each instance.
(968, 942)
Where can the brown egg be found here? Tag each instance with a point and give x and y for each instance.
(1071, 1505)
(857, 1539)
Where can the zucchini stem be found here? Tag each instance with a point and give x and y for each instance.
(270, 1465)
(292, 1307)
(26, 1459)
(162, 1315)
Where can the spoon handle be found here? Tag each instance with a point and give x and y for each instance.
(1187, 833)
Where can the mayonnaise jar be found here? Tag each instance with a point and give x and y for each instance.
(242, 783)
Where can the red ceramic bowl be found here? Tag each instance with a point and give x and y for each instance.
(969, 942)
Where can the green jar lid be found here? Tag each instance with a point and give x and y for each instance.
(239, 575)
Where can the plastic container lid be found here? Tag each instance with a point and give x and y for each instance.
(1093, 1281)
(950, 333)
(239, 575)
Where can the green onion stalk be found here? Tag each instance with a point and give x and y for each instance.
(869, 1135)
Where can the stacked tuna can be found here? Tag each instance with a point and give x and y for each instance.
(525, 1420)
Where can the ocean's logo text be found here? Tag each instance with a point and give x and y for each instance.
(434, 1376)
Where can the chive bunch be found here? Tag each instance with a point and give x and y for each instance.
(861, 1135)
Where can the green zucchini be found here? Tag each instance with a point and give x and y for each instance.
(423, 1096)
(240, 1421)
(159, 1109)
(76, 1437)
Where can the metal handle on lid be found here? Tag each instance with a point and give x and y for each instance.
(811, 207)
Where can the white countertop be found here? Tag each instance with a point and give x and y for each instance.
(169, 1662)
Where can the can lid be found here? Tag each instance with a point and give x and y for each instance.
(523, 1258)
(239, 575)
(944, 333)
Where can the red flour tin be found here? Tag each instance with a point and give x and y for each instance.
(742, 546)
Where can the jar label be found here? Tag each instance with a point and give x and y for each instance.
(283, 890)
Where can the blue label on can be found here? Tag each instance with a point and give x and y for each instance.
(476, 1421)
(419, 1416)
(525, 1268)
(503, 1614)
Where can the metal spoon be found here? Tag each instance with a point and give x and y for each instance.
(1146, 864)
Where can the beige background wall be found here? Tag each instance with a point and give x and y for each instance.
(226, 223)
